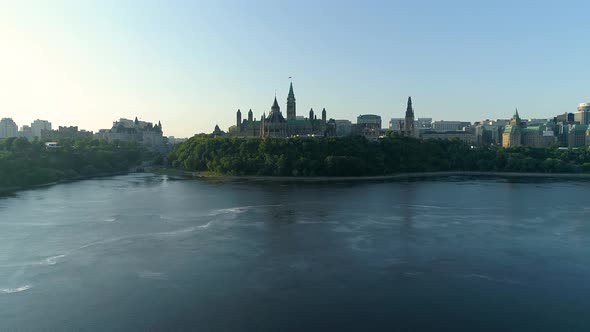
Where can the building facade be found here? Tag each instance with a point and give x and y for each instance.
(38, 126)
(275, 125)
(141, 132)
(518, 133)
(8, 128)
(582, 116)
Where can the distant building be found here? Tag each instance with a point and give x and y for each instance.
(582, 116)
(577, 136)
(409, 128)
(343, 127)
(66, 133)
(424, 123)
(449, 125)
(517, 133)
(26, 132)
(38, 126)
(174, 140)
(396, 124)
(141, 132)
(277, 126)
(486, 134)
(367, 125)
(8, 128)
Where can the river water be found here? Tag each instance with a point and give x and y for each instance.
(146, 252)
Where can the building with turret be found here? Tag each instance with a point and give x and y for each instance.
(275, 125)
(142, 132)
(518, 133)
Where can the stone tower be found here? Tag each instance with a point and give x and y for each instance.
(409, 129)
(238, 118)
(250, 115)
(311, 115)
(291, 108)
(324, 116)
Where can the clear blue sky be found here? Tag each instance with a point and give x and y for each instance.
(192, 64)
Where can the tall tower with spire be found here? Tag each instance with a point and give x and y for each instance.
(238, 118)
(409, 128)
(291, 108)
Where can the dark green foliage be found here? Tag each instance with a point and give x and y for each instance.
(24, 163)
(356, 156)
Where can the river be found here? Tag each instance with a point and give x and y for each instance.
(147, 252)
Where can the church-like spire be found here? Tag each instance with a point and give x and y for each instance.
(275, 106)
(291, 108)
(410, 109)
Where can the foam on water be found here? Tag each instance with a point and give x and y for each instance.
(52, 260)
(15, 290)
(240, 209)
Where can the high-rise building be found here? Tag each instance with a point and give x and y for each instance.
(8, 128)
(38, 126)
(26, 132)
(582, 116)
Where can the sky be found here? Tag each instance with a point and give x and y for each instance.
(192, 64)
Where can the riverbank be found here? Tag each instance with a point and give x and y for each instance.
(393, 177)
(12, 190)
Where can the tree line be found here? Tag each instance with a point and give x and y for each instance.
(24, 163)
(357, 156)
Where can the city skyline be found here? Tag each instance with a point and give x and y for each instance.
(191, 64)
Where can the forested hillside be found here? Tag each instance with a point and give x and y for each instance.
(356, 156)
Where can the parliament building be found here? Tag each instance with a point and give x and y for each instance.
(275, 125)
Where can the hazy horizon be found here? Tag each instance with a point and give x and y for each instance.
(191, 65)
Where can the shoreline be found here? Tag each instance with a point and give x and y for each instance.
(393, 177)
(12, 190)
(178, 174)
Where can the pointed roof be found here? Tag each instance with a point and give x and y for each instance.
(410, 109)
(275, 105)
(291, 93)
(516, 116)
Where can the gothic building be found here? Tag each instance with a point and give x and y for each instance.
(277, 126)
(407, 126)
(518, 133)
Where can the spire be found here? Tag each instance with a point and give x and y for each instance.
(291, 93)
(410, 109)
(291, 108)
(275, 106)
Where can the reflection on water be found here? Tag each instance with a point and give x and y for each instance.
(143, 252)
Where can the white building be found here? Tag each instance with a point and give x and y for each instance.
(38, 126)
(8, 128)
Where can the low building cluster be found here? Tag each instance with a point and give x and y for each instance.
(144, 133)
